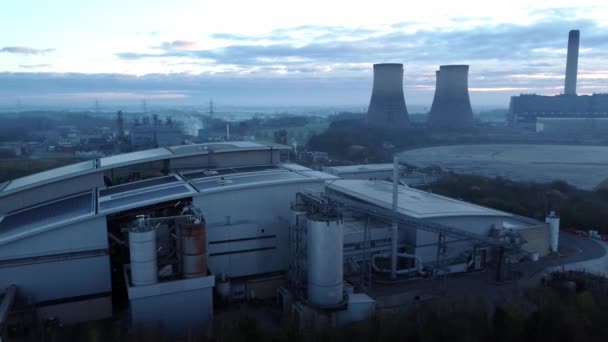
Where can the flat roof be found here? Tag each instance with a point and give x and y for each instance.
(131, 158)
(226, 146)
(362, 168)
(49, 175)
(142, 193)
(45, 216)
(212, 172)
(134, 157)
(411, 202)
(236, 180)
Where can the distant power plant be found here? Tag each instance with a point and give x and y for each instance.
(451, 108)
(387, 105)
(526, 109)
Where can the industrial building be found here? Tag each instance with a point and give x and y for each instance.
(155, 134)
(367, 171)
(387, 104)
(166, 234)
(572, 127)
(525, 109)
(451, 108)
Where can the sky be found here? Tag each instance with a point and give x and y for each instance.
(281, 53)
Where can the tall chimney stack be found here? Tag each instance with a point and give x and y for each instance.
(387, 105)
(572, 63)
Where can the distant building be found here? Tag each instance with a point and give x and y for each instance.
(525, 109)
(153, 134)
(572, 127)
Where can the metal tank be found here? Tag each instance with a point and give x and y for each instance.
(142, 248)
(553, 221)
(194, 249)
(325, 239)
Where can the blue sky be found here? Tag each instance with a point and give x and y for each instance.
(289, 52)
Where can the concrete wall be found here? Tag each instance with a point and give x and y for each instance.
(258, 227)
(248, 249)
(81, 236)
(539, 239)
(58, 278)
(256, 204)
(51, 191)
(179, 306)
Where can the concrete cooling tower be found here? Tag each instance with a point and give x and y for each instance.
(572, 62)
(451, 107)
(387, 105)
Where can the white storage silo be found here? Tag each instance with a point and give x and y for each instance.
(553, 221)
(142, 248)
(325, 240)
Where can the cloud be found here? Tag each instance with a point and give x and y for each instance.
(23, 50)
(34, 66)
(542, 42)
(178, 45)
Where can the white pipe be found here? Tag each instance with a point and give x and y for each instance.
(417, 265)
(395, 227)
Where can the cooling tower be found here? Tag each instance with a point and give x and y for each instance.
(451, 107)
(387, 105)
(572, 63)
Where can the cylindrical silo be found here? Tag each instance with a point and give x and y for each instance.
(387, 104)
(142, 248)
(194, 249)
(553, 221)
(325, 239)
(451, 108)
(572, 62)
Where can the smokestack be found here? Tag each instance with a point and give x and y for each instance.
(387, 104)
(451, 108)
(572, 63)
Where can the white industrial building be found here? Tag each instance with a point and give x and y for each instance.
(163, 232)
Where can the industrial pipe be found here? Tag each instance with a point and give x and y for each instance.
(395, 226)
(417, 263)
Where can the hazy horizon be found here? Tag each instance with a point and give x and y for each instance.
(272, 54)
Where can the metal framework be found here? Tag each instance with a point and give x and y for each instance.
(332, 204)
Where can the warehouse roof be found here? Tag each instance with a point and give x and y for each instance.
(48, 175)
(411, 202)
(360, 168)
(45, 216)
(126, 159)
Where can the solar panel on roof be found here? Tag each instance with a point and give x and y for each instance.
(139, 198)
(49, 213)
